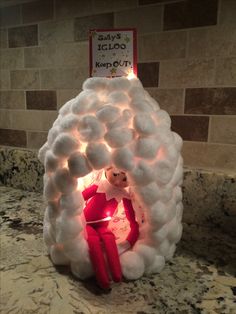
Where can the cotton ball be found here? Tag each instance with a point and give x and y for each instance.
(52, 212)
(98, 155)
(69, 123)
(144, 124)
(177, 177)
(178, 194)
(42, 152)
(164, 248)
(96, 83)
(142, 174)
(178, 141)
(48, 234)
(171, 252)
(118, 99)
(163, 118)
(149, 193)
(50, 191)
(179, 211)
(122, 121)
(123, 158)
(82, 269)
(163, 167)
(146, 252)
(164, 135)
(57, 255)
(175, 230)
(161, 234)
(66, 108)
(73, 203)
(141, 105)
(157, 265)
(64, 182)
(165, 193)
(64, 145)
(136, 93)
(152, 102)
(135, 82)
(52, 134)
(132, 265)
(51, 162)
(67, 227)
(108, 114)
(78, 165)
(119, 84)
(119, 137)
(164, 171)
(158, 213)
(90, 129)
(86, 102)
(146, 148)
(77, 249)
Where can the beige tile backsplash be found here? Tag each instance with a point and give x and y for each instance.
(44, 52)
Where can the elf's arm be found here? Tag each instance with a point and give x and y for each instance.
(89, 192)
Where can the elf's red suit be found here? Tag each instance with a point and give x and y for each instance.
(102, 204)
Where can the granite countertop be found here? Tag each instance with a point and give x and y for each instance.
(199, 279)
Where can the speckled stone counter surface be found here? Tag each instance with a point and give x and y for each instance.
(199, 279)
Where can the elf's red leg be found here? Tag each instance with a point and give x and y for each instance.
(97, 258)
(111, 252)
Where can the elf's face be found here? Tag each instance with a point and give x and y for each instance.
(116, 177)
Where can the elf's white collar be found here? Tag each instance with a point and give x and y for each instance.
(112, 191)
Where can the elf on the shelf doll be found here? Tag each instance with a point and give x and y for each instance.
(103, 199)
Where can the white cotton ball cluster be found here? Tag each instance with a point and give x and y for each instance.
(113, 122)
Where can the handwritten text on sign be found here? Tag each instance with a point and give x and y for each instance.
(112, 52)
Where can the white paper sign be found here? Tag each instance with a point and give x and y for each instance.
(113, 52)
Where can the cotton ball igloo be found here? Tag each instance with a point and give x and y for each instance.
(113, 122)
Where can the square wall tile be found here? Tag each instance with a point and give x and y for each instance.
(148, 73)
(4, 79)
(41, 100)
(25, 79)
(12, 138)
(32, 120)
(64, 95)
(84, 24)
(63, 78)
(220, 101)
(212, 42)
(23, 36)
(162, 45)
(10, 15)
(56, 32)
(170, 100)
(227, 12)
(71, 8)
(226, 72)
(63, 55)
(145, 19)
(35, 140)
(12, 99)
(3, 38)
(191, 128)
(12, 58)
(210, 156)
(37, 11)
(223, 129)
(5, 119)
(188, 14)
(184, 73)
